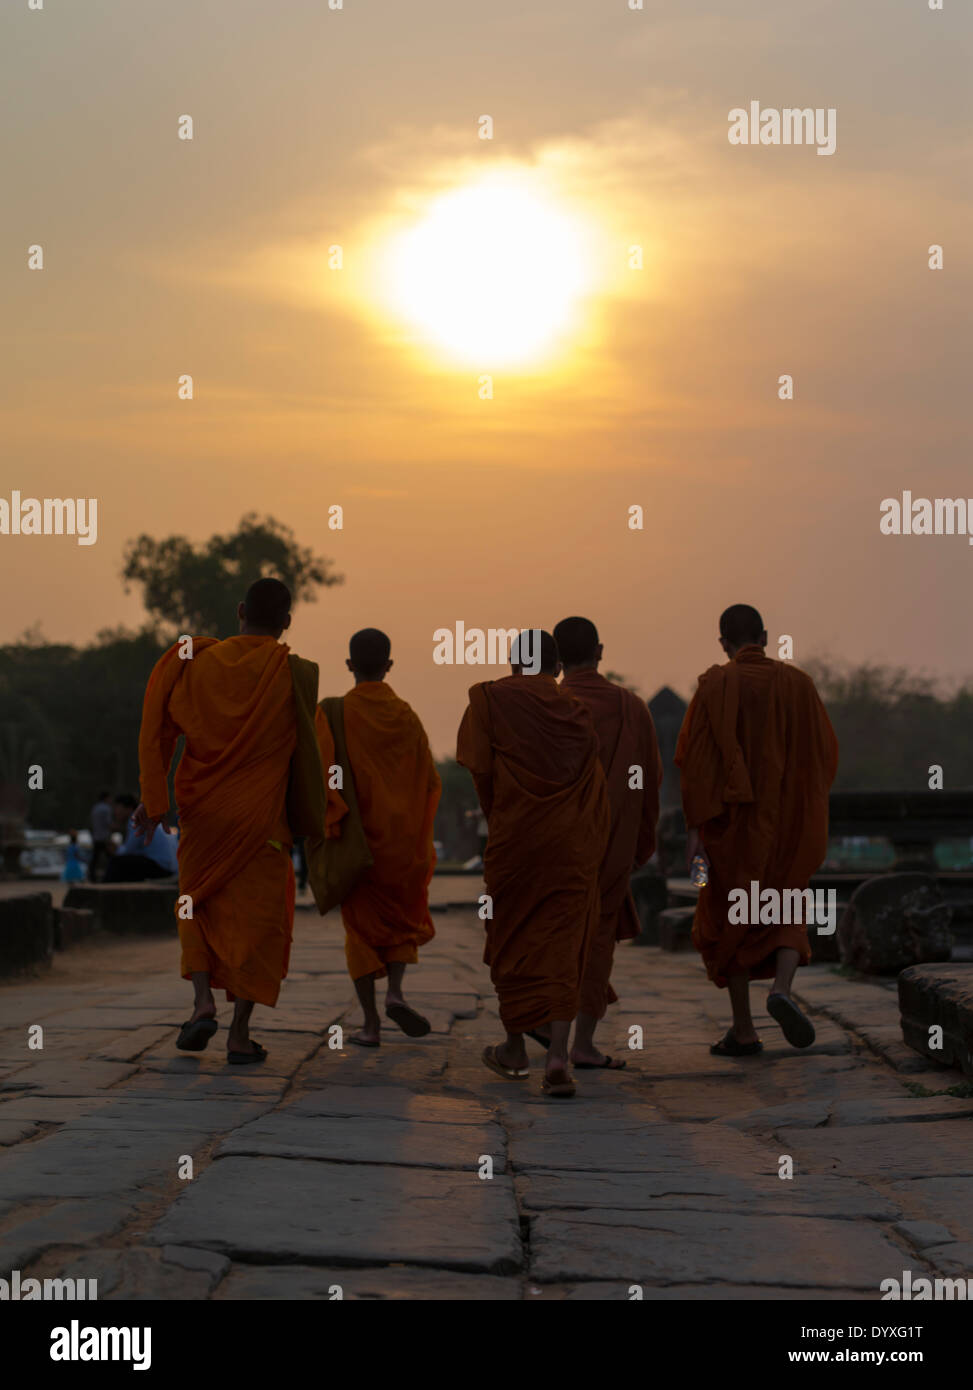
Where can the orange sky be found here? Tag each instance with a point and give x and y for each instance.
(315, 127)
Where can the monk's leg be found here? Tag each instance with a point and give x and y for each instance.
(797, 1027)
(370, 1032)
(557, 1053)
(204, 1005)
(787, 962)
(738, 987)
(513, 1052)
(584, 1051)
(238, 1039)
(393, 994)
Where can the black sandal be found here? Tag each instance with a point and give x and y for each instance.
(797, 1029)
(242, 1059)
(729, 1047)
(193, 1036)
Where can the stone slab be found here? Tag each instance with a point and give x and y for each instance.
(65, 1076)
(95, 1163)
(390, 1102)
(13, 1131)
(663, 1148)
(370, 1140)
(690, 1247)
(932, 996)
(302, 1211)
(675, 925)
(140, 1275)
(923, 1233)
(121, 1111)
(128, 909)
(67, 1223)
(275, 1282)
(26, 933)
(597, 1291)
(822, 1196)
(941, 1199)
(884, 1152)
(228, 1081)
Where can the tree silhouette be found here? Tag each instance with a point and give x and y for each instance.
(196, 588)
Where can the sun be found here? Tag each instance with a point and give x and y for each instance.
(493, 274)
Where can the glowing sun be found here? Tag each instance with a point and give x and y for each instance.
(492, 274)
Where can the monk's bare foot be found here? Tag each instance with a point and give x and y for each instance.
(202, 1011)
(513, 1057)
(591, 1057)
(367, 1037)
(745, 1035)
(558, 1080)
(237, 1042)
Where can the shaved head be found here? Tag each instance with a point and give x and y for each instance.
(535, 651)
(742, 626)
(267, 606)
(577, 642)
(368, 654)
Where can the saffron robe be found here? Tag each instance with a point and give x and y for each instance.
(629, 753)
(757, 756)
(386, 916)
(533, 753)
(235, 703)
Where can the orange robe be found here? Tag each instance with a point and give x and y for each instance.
(627, 741)
(386, 916)
(234, 702)
(757, 755)
(533, 753)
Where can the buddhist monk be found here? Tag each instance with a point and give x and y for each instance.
(240, 704)
(757, 755)
(629, 756)
(533, 753)
(386, 914)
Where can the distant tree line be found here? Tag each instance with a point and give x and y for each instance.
(893, 725)
(75, 711)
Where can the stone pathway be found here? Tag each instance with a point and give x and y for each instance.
(362, 1170)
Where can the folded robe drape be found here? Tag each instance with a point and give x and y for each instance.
(533, 754)
(386, 915)
(757, 756)
(629, 754)
(235, 703)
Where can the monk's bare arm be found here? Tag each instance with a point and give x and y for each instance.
(337, 807)
(157, 744)
(473, 752)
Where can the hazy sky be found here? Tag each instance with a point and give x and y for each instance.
(315, 128)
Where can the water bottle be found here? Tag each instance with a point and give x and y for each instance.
(699, 872)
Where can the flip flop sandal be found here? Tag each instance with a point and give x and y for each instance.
(193, 1037)
(797, 1029)
(609, 1064)
(411, 1023)
(729, 1047)
(242, 1059)
(558, 1090)
(491, 1060)
(538, 1038)
(360, 1042)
